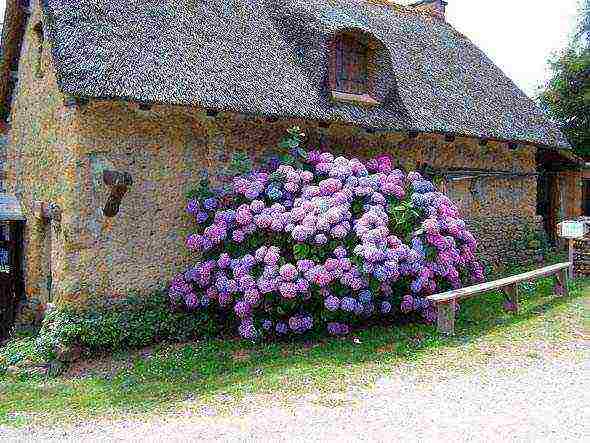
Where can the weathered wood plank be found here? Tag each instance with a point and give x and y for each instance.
(459, 294)
(446, 317)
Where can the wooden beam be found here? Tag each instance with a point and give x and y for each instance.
(560, 285)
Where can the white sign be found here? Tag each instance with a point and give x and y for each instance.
(572, 229)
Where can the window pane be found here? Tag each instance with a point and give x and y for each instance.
(351, 65)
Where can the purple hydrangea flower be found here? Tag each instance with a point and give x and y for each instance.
(332, 303)
(338, 329)
(348, 304)
(248, 331)
(210, 204)
(242, 309)
(281, 328)
(407, 304)
(193, 207)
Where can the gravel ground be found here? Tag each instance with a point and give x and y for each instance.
(509, 400)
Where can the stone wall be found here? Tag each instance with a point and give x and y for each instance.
(505, 241)
(41, 167)
(165, 149)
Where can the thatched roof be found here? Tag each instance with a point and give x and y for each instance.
(269, 57)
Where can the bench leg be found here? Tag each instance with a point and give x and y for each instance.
(512, 303)
(446, 317)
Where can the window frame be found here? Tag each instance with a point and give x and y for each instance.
(364, 51)
(39, 33)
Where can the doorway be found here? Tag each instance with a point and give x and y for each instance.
(11, 276)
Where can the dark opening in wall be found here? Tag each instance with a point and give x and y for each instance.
(39, 43)
(586, 198)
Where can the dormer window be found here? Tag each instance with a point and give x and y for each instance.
(350, 76)
(351, 65)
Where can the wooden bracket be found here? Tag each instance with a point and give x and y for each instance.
(71, 101)
(119, 183)
(47, 211)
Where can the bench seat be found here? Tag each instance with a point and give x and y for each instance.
(446, 302)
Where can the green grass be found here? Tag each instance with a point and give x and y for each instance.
(220, 373)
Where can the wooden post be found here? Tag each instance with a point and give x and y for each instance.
(512, 295)
(561, 281)
(571, 257)
(564, 274)
(446, 317)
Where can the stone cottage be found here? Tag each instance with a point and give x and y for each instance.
(114, 107)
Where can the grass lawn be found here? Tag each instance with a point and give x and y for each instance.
(219, 375)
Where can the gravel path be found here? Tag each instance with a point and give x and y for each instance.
(538, 400)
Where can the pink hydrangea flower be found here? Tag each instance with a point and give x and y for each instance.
(288, 272)
(272, 256)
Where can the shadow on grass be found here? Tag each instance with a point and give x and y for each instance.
(207, 369)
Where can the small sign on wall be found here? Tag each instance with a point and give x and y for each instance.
(572, 229)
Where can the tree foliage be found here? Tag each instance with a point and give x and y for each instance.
(566, 97)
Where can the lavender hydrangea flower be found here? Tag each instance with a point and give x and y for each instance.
(332, 303)
(385, 307)
(338, 329)
(281, 328)
(348, 304)
(210, 204)
(365, 297)
(267, 325)
(193, 207)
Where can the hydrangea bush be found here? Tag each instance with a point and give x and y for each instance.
(318, 242)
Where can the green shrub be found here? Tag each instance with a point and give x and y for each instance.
(129, 323)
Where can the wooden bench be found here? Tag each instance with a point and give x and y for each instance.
(446, 302)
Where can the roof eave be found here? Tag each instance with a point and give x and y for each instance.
(12, 37)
